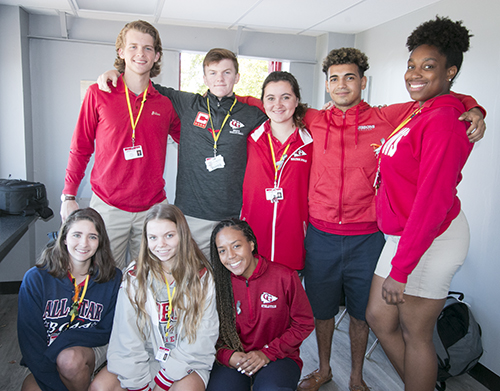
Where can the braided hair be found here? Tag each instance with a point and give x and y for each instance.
(228, 334)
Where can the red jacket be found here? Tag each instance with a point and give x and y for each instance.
(341, 193)
(104, 127)
(420, 170)
(272, 313)
(280, 227)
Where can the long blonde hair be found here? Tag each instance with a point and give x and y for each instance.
(189, 300)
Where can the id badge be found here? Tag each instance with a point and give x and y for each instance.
(162, 354)
(274, 194)
(213, 163)
(132, 153)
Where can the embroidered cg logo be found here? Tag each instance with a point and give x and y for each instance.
(235, 127)
(267, 298)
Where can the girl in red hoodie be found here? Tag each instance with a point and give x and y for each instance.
(417, 206)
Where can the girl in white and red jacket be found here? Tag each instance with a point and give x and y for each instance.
(264, 315)
(418, 208)
(279, 154)
(166, 322)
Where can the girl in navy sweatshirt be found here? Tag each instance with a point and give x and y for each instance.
(66, 306)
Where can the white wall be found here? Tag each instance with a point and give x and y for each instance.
(15, 126)
(478, 278)
(12, 130)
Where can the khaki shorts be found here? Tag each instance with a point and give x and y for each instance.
(432, 276)
(201, 230)
(100, 356)
(124, 230)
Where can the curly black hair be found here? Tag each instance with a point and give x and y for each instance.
(450, 38)
(346, 56)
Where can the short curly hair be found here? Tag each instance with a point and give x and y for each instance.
(346, 56)
(145, 28)
(450, 38)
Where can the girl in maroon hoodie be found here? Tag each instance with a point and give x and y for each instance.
(264, 315)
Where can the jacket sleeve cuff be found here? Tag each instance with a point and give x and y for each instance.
(223, 356)
(267, 352)
(162, 381)
(399, 275)
(70, 188)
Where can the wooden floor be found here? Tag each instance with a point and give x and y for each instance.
(378, 372)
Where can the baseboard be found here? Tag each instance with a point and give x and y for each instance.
(9, 287)
(486, 377)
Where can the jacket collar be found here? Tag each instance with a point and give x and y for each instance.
(262, 266)
(120, 87)
(359, 108)
(304, 135)
(226, 102)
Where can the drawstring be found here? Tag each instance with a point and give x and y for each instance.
(356, 130)
(328, 129)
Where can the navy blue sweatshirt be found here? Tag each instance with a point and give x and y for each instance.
(43, 316)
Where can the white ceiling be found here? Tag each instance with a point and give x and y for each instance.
(307, 17)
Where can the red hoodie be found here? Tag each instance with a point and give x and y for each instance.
(341, 193)
(273, 314)
(420, 169)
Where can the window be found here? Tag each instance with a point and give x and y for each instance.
(253, 73)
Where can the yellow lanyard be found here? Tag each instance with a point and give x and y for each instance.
(405, 122)
(279, 164)
(378, 148)
(169, 312)
(216, 136)
(132, 122)
(75, 307)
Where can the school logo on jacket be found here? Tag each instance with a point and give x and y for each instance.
(165, 325)
(267, 299)
(390, 147)
(235, 127)
(201, 120)
(299, 156)
(362, 128)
